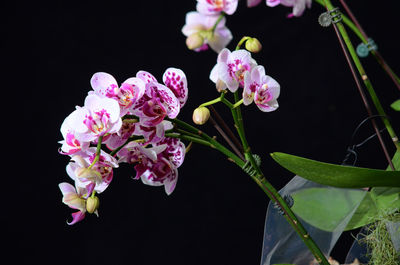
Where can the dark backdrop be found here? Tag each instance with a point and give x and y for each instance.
(216, 214)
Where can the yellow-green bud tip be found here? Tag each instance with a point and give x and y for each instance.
(194, 41)
(201, 115)
(253, 45)
(92, 204)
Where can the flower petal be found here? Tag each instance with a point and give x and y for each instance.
(76, 217)
(146, 76)
(104, 84)
(175, 79)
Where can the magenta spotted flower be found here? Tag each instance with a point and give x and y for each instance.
(230, 69)
(261, 88)
(159, 100)
(164, 170)
(130, 91)
(214, 7)
(98, 117)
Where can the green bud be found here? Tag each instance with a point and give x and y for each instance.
(201, 115)
(253, 45)
(92, 204)
(194, 41)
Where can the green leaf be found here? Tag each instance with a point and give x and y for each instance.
(396, 105)
(326, 208)
(337, 175)
(378, 200)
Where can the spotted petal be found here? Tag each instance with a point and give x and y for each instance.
(146, 76)
(167, 99)
(104, 84)
(175, 79)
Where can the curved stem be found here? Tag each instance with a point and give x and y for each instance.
(98, 150)
(343, 33)
(270, 191)
(364, 38)
(221, 16)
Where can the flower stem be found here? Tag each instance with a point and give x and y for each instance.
(221, 16)
(271, 192)
(237, 104)
(211, 102)
(339, 28)
(357, 29)
(245, 38)
(258, 178)
(98, 150)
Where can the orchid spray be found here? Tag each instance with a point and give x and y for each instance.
(137, 123)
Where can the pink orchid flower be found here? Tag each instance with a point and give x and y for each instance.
(98, 117)
(75, 199)
(197, 23)
(164, 170)
(70, 145)
(130, 91)
(262, 88)
(98, 177)
(158, 102)
(230, 69)
(298, 5)
(214, 7)
(128, 128)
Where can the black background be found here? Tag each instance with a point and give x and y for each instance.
(216, 214)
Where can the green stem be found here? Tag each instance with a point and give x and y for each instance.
(245, 38)
(98, 150)
(217, 22)
(258, 178)
(211, 102)
(210, 141)
(365, 79)
(271, 192)
(364, 39)
(237, 104)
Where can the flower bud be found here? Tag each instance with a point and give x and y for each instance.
(92, 204)
(253, 45)
(201, 115)
(194, 41)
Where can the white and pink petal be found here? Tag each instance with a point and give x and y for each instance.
(175, 79)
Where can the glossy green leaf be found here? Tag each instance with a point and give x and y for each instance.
(326, 208)
(337, 175)
(396, 105)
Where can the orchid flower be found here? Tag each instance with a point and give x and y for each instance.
(75, 199)
(70, 145)
(214, 7)
(163, 170)
(98, 117)
(230, 69)
(202, 25)
(262, 88)
(130, 91)
(96, 177)
(298, 5)
(157, 102)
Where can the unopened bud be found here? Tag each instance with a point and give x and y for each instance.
(253, 45)
(92, 204)
(201, 115)
(194, 41)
